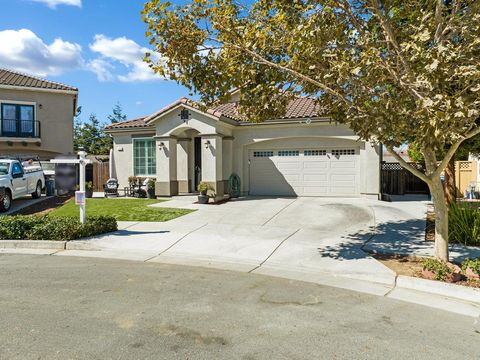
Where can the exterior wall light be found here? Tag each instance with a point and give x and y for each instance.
(161, 145)
(207, 144)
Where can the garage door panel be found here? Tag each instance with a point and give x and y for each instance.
(314, 165)
(305, 172)
(316, 177)
(347, 164)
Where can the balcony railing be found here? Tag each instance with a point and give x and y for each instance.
(19, 128)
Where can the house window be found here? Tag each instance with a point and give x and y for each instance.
(18, 120)
(339, 152)
(144, 157)
(288, 153)
(315, 152)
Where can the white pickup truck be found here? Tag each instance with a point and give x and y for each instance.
(17, 181)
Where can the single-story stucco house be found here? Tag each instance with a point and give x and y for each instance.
(299, 154)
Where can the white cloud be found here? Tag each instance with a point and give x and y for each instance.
(24, 51)
(122, 51)
(102, 69)
(54, 3)
(138, 103)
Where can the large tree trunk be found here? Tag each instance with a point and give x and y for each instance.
(450, 186)
(441, 219)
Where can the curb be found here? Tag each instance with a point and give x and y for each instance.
(33, 244)
(439, 288)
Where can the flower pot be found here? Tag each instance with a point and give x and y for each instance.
(151, 194)
(89, 193)
(203, 199)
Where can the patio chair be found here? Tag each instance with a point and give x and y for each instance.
(111, 188)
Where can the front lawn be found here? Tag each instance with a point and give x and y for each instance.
(122, 210)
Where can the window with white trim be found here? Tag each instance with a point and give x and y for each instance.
(339, 152)
(315, 152)
(262, 153)
(144, 157)
(288, 153)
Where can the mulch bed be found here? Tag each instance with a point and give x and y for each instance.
(45, 206)
(412, 266)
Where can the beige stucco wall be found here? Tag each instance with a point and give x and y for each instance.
(229, 152)
(55, 111)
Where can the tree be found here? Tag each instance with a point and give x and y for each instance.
(90, 137)
(395, 71)
(117, 114)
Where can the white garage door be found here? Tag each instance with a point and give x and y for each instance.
(305, 172)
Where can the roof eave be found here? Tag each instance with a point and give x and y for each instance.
(25, 88)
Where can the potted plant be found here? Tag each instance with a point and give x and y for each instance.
(203, 189)
(89, 189)
(151, 189)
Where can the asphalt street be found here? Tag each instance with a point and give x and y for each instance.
(86, 308)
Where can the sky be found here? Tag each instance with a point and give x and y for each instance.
(94, 45)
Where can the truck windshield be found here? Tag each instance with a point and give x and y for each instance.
(4, 167)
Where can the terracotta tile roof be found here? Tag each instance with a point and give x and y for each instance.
(129, 124)
(298, 108)
(302, 107)
(14, 78)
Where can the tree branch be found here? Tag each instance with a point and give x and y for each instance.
(451, 152)
(408, 166)
(439, 21)
(389, 35)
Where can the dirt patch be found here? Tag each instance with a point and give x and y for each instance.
(412, 266)
(45, 206)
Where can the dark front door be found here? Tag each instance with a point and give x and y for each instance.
(198, 161)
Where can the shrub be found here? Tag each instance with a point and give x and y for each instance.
(464, 224)
(203, 187)
(473, 264)
(439, 268)
(53, 228)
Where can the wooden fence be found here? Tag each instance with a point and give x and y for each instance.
(98, 173)
(396, 180)
(465, 175)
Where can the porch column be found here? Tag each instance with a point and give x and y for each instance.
(167, 183)
(183, 177)
(212, 162)
(227, 160)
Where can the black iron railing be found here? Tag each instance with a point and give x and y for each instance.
(20, 128)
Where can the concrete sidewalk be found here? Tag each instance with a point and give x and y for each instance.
(400, 233)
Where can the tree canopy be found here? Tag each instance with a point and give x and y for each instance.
(90, 135)
(395, 71)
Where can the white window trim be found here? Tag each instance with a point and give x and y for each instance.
(133, 156)
(16, 102)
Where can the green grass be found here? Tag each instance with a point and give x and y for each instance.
(122, 210)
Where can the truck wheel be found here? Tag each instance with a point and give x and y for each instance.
(38, 191)
(7, 202)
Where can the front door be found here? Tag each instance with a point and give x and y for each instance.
(197, 161)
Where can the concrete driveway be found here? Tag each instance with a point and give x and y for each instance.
(311, 239)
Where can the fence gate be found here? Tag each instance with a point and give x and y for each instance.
(398, 181)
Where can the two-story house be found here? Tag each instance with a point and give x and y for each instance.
(36, 116)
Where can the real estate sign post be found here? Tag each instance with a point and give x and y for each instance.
(82, 161)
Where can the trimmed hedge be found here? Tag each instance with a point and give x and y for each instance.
(33, 227)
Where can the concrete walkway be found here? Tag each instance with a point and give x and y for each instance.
(311, 239)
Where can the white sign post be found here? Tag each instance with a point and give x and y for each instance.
(79, 195)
